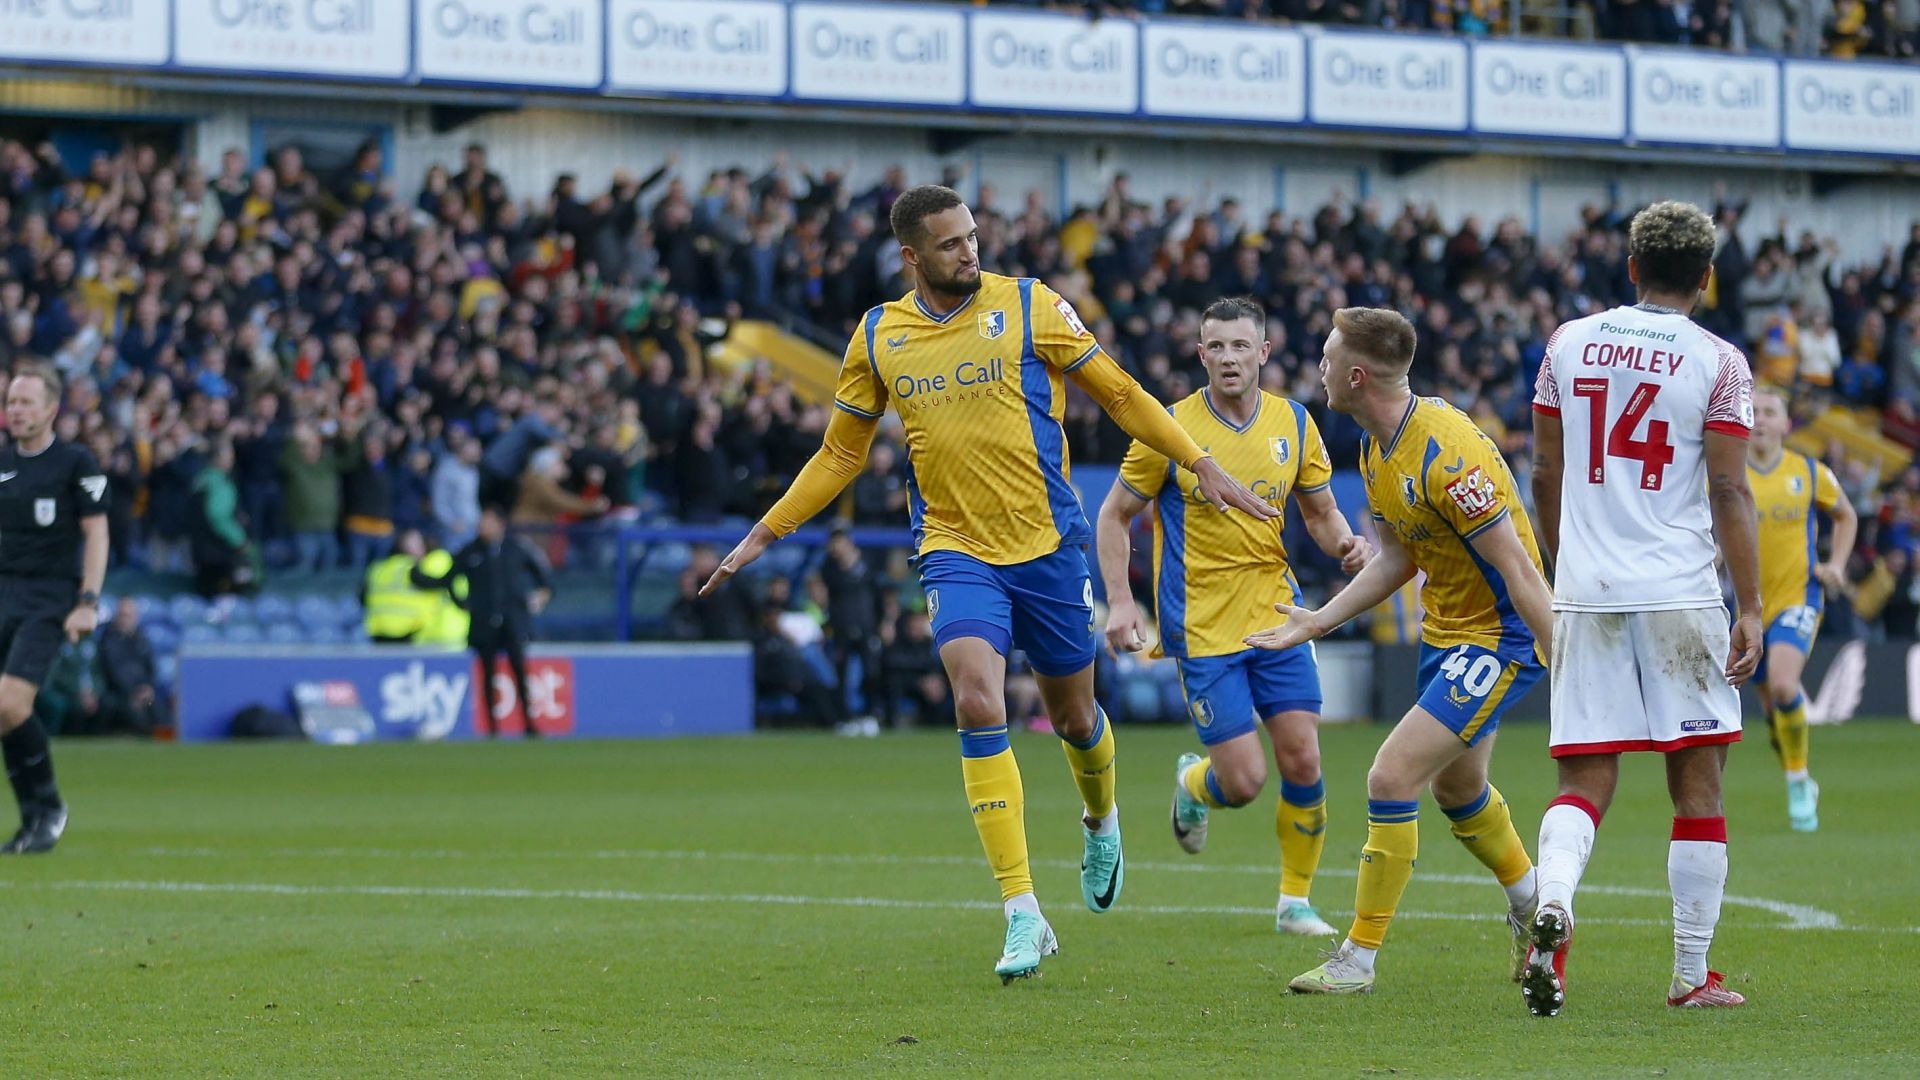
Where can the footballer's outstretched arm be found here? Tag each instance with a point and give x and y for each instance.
(1737, 528)
(1331, 531)
(1549, 460)
(1140, 416)
(1113, 540)
(1499, 545)
(1382, 577)
(842, 454)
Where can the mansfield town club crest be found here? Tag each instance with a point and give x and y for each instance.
(1796, 484)
(992, 324)
(1407, 490)
(1202, 712)
(1281, 452)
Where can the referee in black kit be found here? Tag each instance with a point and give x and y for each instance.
(53, 557)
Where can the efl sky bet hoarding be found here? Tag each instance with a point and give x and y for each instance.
(391, 692)
(920, 57)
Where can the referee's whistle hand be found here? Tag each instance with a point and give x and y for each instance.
(81, 622)
(1226, 493)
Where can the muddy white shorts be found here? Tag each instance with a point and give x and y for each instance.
(1641, 680)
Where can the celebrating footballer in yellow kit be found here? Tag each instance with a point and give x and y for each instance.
(975, 365)
(1214, 575)
(1788, 488)
(1446, 504)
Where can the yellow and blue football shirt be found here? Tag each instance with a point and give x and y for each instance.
(1437, 483)
(1786, 497)
(981, 394)
(1217, 576)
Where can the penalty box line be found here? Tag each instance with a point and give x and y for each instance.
(1793, 916)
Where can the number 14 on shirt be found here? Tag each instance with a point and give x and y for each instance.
(1654, 453)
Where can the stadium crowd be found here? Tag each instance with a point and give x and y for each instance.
(280, 370)
(1843, 29)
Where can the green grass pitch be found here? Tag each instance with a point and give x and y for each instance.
(788, 905)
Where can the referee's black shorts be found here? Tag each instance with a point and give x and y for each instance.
(33, 618)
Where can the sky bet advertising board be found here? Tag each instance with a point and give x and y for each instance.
(373, 692)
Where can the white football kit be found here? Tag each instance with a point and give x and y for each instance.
(1641, 637)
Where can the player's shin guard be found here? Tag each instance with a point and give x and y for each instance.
(999, 805)
(1697, 872)
(30, 767)
(1092, 764)
(1485, 827)
(1566, 841)
(1790, 735)
(1386, 864)
(1301, 821)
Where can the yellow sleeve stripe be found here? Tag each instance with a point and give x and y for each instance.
(1084, 357)
(838, 404)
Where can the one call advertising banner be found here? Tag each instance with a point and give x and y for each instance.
(512, 42)
(85, 31)
(1549, 91)
(1853, 108)
(880, 53)
(350, 39)
(1054, 63)
(735, 48)
(1704, 99)
(1383, 81)
(1213, 72)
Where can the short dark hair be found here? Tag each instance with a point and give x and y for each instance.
(1229, 308)
(915, 205)
(48, 375)
(1672, 246)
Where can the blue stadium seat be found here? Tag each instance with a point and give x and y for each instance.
(324, 634)
(669, 558)
(166, 670)
(163, 637)
(272, 608)
(187, 608)
(243, 634)
(285, 633)
(150, 607)
(313, 609)
(347, 611)
(199, 633)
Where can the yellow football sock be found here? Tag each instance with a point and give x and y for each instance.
(1386, 864)
(999, 806)
(1203, 785)
(1300, 818)
(1092, 764)
(1485, 827)
(1790, 733)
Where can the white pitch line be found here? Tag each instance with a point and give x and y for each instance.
(1796, 916)
(460, 892)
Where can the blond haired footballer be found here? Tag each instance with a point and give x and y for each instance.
(1447, 505)
(1790, 491)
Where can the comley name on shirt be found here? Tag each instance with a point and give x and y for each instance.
(1632, 357)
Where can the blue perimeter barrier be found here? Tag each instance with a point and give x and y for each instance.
(582, 691)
